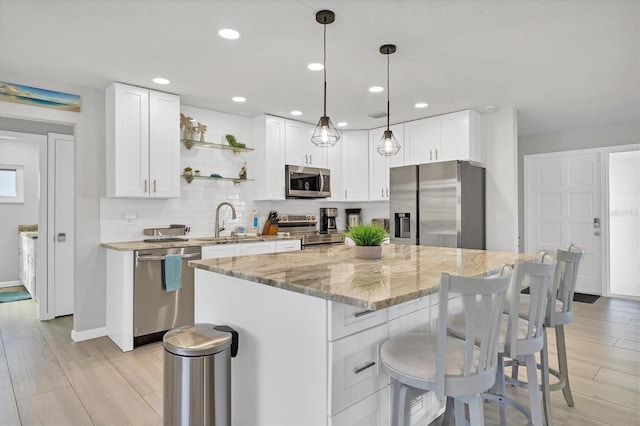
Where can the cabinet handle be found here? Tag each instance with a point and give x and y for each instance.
(306, 159)
(358, 370)
(145, 186)
(430, 155)
(345, 194)
(382, 192)
(310, 159)
(361, 313)
(154, 185)
(436, 154)
(387, 192)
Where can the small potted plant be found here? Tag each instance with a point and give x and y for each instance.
(367, 238)
(188, 174)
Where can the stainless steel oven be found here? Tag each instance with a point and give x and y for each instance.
(304, 226)
(307, 182)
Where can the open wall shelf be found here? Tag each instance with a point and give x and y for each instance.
(236, 181)
(190, 143)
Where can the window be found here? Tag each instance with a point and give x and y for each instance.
(11, 184)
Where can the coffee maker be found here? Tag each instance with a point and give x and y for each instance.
(328, 217)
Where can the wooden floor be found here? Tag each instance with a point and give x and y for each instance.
(45, 378)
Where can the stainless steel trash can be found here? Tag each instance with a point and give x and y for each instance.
(197, 375)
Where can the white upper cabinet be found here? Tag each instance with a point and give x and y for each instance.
(349, 165)
(454, 136)
(268, 137)
(300, 151)
(143, 143)
(379, 165)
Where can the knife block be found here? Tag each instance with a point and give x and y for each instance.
(269, 228)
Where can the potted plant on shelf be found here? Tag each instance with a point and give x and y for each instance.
(367, 238)
(188, 174)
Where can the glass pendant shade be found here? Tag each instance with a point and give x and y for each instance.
(326, 135)
(388, 145)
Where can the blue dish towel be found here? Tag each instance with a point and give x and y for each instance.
(172, 272)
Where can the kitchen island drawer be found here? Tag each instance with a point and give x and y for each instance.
(348, 319)
(371, 411)
(355, 369)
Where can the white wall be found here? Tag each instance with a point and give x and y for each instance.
(26, 154)
(584, 138)
(90, 185)
(499, 157)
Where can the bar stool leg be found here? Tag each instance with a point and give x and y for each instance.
(546, 393)
(460, 414)
(562, 364)
(534, 390)
(400, 410)
(448, 411)
(476, 412)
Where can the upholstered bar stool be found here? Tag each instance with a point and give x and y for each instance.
(559, 313)
(449, 366)
(519, 338)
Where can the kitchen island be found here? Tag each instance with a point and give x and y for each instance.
(311, 322)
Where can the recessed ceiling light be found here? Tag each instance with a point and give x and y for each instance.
(238, 99)
(421, 105)
(315, 66)
(342, 124)
(160, 80)
(490, 108)
(229, 34)
(376, 89)
(296, 112)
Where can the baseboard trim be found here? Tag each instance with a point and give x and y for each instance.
(4, 284)
(80, 336)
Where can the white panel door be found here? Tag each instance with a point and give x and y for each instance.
(164, 145)
(563, 206)
(62, 203)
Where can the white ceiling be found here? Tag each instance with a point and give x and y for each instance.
(562, 64)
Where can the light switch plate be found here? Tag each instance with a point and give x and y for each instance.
(130, 215)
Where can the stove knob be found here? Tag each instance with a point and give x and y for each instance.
(313, 218)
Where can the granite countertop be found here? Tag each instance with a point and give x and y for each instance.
(404, 273)
(194, 241)
(28, 228)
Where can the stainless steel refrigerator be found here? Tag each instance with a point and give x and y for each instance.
(438, 204)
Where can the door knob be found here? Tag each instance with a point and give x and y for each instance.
(62, 237)
(596, 233)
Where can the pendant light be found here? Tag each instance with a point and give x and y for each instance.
(388, 145)
(325, 135)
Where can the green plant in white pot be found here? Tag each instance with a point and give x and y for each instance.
(367, 238)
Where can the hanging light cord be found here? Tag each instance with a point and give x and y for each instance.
(324, 67)
(388, 107)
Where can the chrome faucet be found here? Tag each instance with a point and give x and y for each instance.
(217, 224)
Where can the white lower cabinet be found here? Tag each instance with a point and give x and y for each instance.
(258, 248)
(355, 367)
(218, 251)
(243, 249)
(371, 411)
(288, 245)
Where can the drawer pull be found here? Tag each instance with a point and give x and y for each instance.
(361, 313)
(358, 370)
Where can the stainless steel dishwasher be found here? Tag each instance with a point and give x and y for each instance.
(154, 309)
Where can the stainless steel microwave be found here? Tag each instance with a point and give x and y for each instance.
(307, 182)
